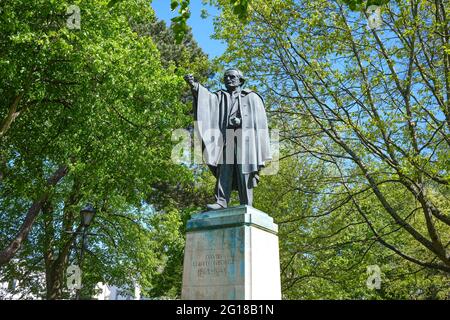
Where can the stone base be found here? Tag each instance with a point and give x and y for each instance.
(231, 254)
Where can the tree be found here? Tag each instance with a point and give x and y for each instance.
(93, 112)
(325, 245)
(186, 196)
(240, 9)
(371, 105)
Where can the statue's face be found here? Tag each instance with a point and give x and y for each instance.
(232, 79)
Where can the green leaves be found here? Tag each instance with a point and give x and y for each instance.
(240, 8)
(104, 101)
(174, 4)
(357, 123)
(362, 4)
(179, 23)
(112, 3)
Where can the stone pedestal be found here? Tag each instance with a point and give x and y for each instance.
(231, 254)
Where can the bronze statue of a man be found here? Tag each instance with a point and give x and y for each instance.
(232, 125)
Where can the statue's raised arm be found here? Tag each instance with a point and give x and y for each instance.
(189, 78)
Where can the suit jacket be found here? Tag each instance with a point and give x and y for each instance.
(211, 111)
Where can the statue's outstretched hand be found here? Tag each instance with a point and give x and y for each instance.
(189, 78)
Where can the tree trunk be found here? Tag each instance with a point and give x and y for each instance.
(8, 253)
(11, 116)
(56, 266)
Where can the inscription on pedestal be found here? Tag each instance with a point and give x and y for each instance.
(213, 265)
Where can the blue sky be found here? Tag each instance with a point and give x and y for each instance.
(201, 28)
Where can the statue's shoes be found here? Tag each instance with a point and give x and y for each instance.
(214, 206)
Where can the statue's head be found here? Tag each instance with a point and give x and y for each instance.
(233, 78)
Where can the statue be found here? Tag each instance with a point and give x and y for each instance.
(232, 125)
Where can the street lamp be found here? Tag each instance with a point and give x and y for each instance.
(87, 214)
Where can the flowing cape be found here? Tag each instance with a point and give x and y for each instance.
(210, 114)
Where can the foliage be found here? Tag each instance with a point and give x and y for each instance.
(101, 103)
(364, 121)
(240, 8)
(368, 107)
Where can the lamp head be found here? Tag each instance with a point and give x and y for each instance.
(87, 214)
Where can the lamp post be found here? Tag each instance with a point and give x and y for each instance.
(87, 214)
